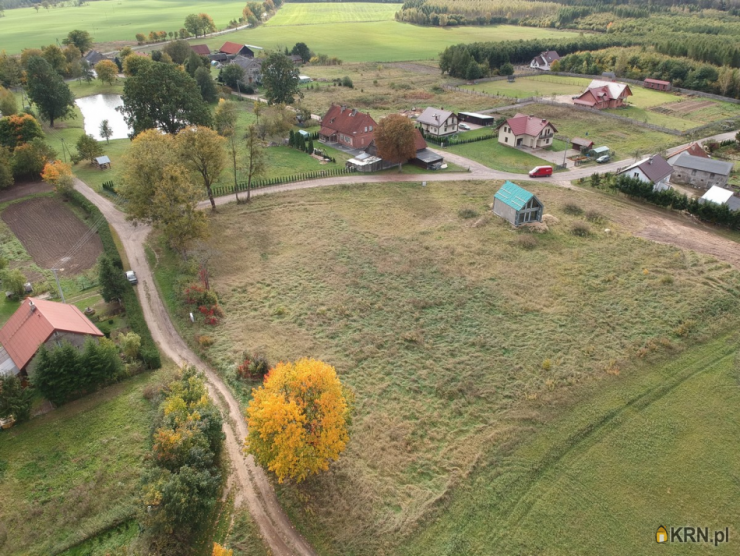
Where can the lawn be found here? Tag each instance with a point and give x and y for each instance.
(541, 85)
(76, 470)
(456, 339)
(377, 41)
(636, 453)
(624, 138)
(493, 154)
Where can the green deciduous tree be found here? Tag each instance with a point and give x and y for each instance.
(395, 139)
(14, 399)
(6, 168)
(225, 118)
(255, 163)
(280, 78)
(48, 91)
(163, 97)
(193, 64)
(302, 50)
(206, 84)
(231, 75)
(13, 281)
(88, 148)
(81, 39)
(178, 50)
(106, 132)
(8, 105)
(113, 283)
(10, 70)
(107, 71)
(18, 129)
(29, 159)
(202, 151)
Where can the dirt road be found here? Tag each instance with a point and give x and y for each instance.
(253, 487)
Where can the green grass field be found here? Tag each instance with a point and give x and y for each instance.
(455, 338)
(329, 12)
(74, 471)
(380, 41)
(493, 154)
(655, 448)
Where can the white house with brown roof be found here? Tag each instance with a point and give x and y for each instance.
(438, 122)
(545, 60)
(526, 131)
(39, 322)
(653, 170)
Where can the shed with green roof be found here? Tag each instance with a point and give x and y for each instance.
(517, 205)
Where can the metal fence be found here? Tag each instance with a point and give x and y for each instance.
(220, 190)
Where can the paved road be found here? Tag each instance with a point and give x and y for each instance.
(253, 487)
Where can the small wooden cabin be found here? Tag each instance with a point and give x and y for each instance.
(657, 84)
(516, 205)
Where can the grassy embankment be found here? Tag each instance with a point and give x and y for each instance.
(459, 341)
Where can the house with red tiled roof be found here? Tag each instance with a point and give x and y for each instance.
(694, 149)
(526, 131)
(603, 94)
(236, 49)
(347, 127)
(200, 49)
(40, 322)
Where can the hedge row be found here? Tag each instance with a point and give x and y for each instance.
(134, 314)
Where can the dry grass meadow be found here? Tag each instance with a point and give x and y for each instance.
(458, 333)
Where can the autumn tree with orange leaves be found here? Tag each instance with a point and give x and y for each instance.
(58, 174)
(298, 419)
(219, 550)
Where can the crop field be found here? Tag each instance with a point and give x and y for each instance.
(49, 231)
(457, 336)
(74, 471)
(374, 41)
(329, 12)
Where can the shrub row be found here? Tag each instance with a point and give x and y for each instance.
(449, 141)
(135, 316)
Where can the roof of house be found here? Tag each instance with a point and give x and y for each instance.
(513, 195)
(613, 89)
(733, 203)
(657, 81)
(655, 168)
(694, 149)
(34, 321)
(600, 150)
(247, 63)
(433, 116)
(429, 157)
(718, 195)
(297, 58)
(93, 57)
(419, 142)
(345, 120)
(521, 124)
(200, 49)
(581, 142)
(685, 160)
(102, 160)
(231, 47)
(547, 57)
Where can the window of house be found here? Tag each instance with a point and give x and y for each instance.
(370, 128)
(506, 139)
(711, 175)
(636, 175)
(693, 172)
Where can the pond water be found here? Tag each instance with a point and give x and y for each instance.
(97, 108)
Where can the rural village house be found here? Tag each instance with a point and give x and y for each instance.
(694, 149)
(721, 196)
(369, 161)
(526, 131)
(438, 122)
(347, 127)
(700, 172)
(424, 157)
(544, 60)
(232, 49)
(93, 57)
(657, 84)
(517, 205)
(603, 94)
(252, 68)
(39, 322)
(581, 145)
(201, 49)
(653, 170)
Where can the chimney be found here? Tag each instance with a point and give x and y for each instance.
(31, 305)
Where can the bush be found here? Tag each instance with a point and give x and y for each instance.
(527, 242)
(573, 209)
(14, 399)
(594, 216)
(580, 229)
(467, 213)
(252, 367)
(347, 82)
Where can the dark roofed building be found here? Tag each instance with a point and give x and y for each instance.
(435, 121)
(583, 145)
(93, 57)
(424, 157)
(700, 172)
(544, 60)
(252, 68)
(475, 118)
(653, 170)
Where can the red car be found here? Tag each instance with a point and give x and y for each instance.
(540, 172)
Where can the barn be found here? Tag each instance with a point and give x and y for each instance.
(516, 205)
(657, 84)
(475, 118)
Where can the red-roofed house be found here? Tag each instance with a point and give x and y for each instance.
(694, 149)
(526, 131)
(603, 94)
(347, 127)
(235, 49)
(200, 49)
(39, 322)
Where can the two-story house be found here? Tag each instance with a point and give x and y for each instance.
(347, 127)
(437, 122)
(526, 131)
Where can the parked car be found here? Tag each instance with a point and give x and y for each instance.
(464, 126)
(603, 158)
(540, 172)
(131, 277)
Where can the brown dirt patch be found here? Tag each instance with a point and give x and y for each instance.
(686, 106)
(49, 231)
(22, 189)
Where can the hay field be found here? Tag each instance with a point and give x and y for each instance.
(449, 330)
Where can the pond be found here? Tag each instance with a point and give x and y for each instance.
(97, 108)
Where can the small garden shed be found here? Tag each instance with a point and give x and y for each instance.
(517, 205)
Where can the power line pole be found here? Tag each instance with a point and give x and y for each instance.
(56, 277)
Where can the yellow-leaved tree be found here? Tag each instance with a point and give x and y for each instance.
(298, 419)
(219, 550)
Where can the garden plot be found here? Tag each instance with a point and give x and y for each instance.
(51, 232)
